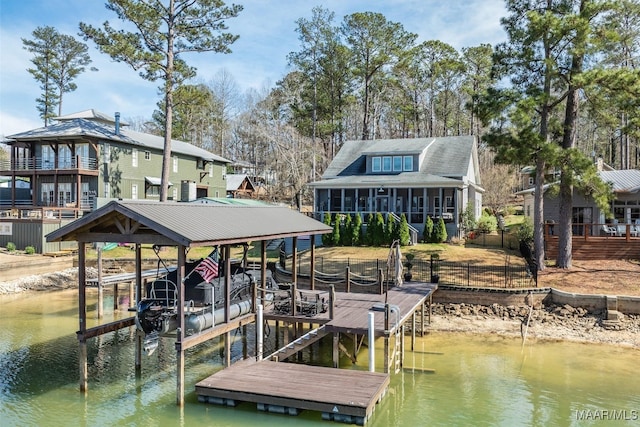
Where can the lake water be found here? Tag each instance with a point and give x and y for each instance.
(477, 380)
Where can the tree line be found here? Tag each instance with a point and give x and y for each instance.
(561, 91)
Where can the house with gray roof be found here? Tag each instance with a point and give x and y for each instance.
(587, 216)
(88, 158)
(420, 177)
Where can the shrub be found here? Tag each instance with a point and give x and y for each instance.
(439, 232)
(487, 224)
(468, 218)
(389, 230)
(525, 232)
(368, 237)
(378, 230)
(335, 236)
(403, 232)
(356, 231)
(428, 230)
(29, 250)
(326, 238)
(11, 247)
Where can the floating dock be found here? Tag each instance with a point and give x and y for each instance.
(342, 395)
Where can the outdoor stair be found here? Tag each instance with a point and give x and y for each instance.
(299, 344)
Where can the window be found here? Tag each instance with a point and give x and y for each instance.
(64, 193)
(175, 164)
(134, 158)
(376, 164)
(134, 191)
(397, 163)
(64, 157)
(407, 163)
(48, 158)
(47, 194)
(147, 155)
(386, 164)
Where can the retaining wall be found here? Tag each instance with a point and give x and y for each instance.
(524, 297)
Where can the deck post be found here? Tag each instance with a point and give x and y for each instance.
(386, 338)
(372, 342)
(413, 330)
(100, 289)
(336, 349)
(332, 299)
(180, 329)
(347, 279)
(227, 304)
(82, 316)
(263, 270)
(381, 281)
(259, 332)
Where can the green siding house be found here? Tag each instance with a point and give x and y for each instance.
(89, 158)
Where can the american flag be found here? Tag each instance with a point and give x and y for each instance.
(208, 267)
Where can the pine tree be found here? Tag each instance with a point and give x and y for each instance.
(403, 231)
(356, 231)
(346, 232)
(378, 230)
(428, 230)
(162, 33)
(368, 237)
(389, 230)
(326, 238)
(439, 232)
(335, 236)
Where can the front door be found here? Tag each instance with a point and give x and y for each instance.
(382, 204)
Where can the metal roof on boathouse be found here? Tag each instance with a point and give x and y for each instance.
(188, 224)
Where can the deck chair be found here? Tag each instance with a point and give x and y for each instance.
(610, 230)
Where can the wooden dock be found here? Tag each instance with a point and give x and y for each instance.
(340, 395)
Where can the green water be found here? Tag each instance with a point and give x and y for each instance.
(478, 380)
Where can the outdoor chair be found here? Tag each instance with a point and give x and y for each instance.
(610, 230)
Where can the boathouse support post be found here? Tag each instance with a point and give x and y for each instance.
(82, 316)
(336, 349)
(180, 329)
(227, 304)
(312, 263)
(100, 288)
(138, 297)
(263, 270)
(259, 332)
(372, 342)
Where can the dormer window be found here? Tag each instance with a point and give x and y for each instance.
(391, 164)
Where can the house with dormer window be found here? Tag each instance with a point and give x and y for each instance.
(419, 177)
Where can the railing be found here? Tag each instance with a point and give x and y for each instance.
(39, 163)
(508, 275)
(587, 230)
(39, 213)
(413, 232)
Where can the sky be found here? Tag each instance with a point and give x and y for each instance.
(258, 59)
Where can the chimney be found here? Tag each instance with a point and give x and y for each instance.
(599, 164)
(117, 123)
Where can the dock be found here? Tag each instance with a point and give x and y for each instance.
(342, 395)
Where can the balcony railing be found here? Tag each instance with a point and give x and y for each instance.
(39, 163)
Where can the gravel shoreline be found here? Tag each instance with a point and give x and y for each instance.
(545, 323)
(554, 323)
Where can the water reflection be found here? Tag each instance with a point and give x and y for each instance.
(457, 380)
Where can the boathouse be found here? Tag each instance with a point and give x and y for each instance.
(385, 313)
